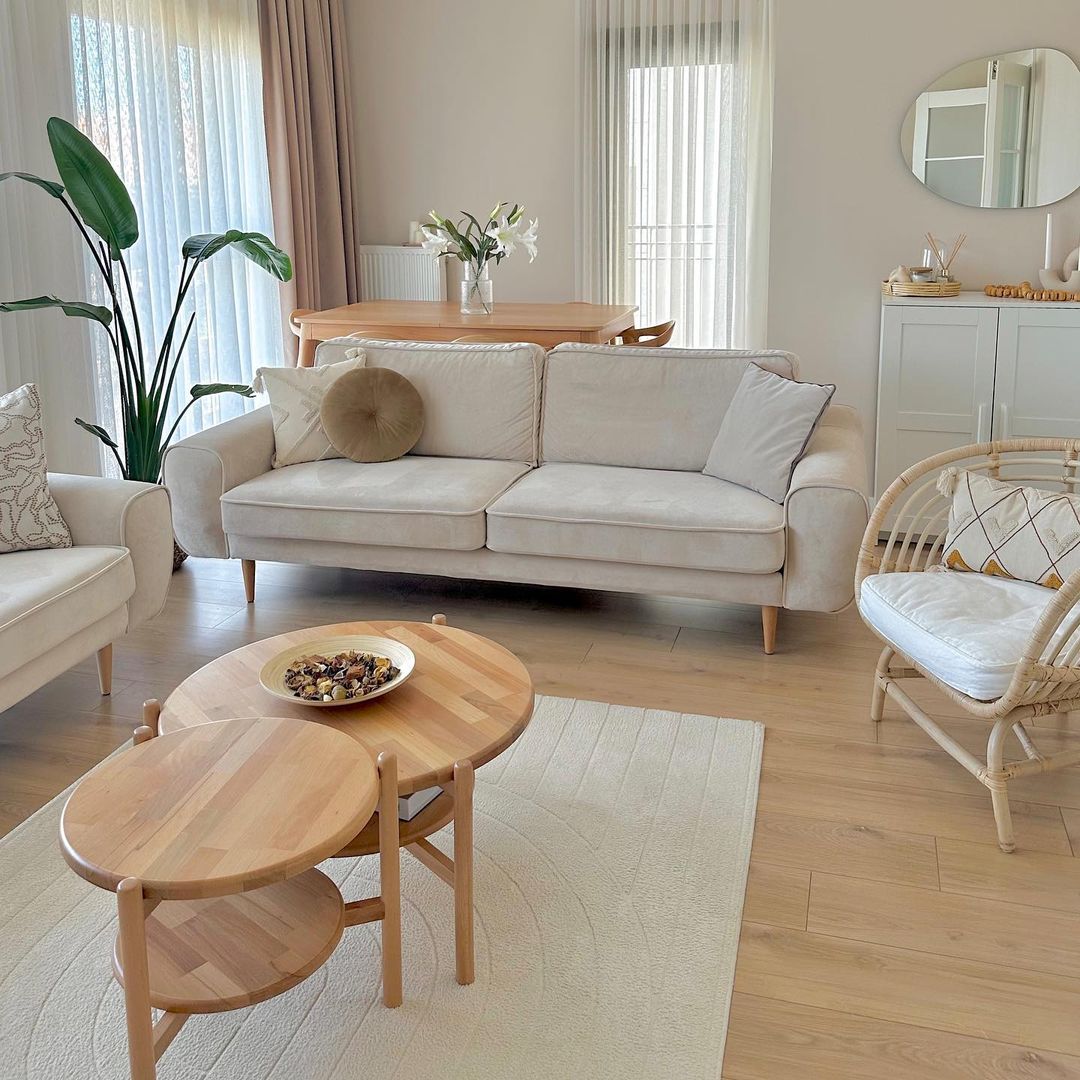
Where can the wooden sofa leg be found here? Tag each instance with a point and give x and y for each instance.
(248, 566)
(104, 669)
(768, 627)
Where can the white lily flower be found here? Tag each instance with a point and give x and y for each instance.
(434, 240)
(527, 238)
(505, 236)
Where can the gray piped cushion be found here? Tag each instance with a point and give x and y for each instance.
(766, 430)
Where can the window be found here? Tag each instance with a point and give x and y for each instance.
(673, 164)
(172, 94)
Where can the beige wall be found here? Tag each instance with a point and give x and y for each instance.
(845, 209)
(436, 129)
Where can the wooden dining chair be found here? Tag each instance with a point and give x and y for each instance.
(649, 337)
(487, 339)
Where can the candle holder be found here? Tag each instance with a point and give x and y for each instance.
(1068, 278)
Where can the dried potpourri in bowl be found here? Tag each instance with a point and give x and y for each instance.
(347, 675)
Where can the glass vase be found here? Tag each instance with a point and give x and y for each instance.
(476, 293)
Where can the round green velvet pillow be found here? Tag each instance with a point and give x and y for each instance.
(372, 414)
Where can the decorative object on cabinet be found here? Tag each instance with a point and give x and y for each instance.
(901, 273)
(998, 131)
(1024, 291)
(921, 288)
(971, 369)
(944, 261)
(1049, 278)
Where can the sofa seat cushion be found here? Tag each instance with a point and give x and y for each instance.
(649, 517)
(49, 595)
(968, 630)
(417, 502)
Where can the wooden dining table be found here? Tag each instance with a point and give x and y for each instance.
(435, 320)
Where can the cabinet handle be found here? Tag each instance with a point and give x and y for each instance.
(1004, 420)
(980, 420)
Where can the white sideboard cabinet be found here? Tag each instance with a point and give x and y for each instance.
(969, 369)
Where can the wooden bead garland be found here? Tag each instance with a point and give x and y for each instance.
(1024, 291)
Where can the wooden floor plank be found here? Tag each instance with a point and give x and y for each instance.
(779, 1040)
(880, 854)
(777, 895)
(1027, 877)
(963, 996)
(949, 924)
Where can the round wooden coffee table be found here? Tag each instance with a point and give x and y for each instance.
(209, 837)
(466, 702)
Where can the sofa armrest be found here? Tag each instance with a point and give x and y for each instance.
(200, 469)
(123, 513)
(825, 514)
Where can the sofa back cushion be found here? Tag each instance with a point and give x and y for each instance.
(643, 408)
(480, 400)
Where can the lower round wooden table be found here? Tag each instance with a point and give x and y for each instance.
(466, 702)
(209, 838)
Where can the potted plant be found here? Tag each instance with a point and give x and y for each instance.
(99, 204)
(476, 245)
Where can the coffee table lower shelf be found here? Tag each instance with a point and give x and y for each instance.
(229, 952)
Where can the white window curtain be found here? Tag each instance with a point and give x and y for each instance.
(40, 252)
(675, 152)
(171, 92)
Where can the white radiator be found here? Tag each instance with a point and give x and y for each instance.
(391, 272)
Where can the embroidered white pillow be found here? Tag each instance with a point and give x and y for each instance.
(1001, 529)
(29, 516)
(766, 430)
(296, 396)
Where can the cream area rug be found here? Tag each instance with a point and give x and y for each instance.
(612, 846)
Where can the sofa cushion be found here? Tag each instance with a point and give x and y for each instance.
(49, 595)
(644, 516)
(480, 400)
(418, 502)
(968, 630)
(646, 408)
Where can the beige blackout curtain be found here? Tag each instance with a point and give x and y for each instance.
(306, 103)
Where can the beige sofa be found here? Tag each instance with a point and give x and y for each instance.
(60, 605)
(578, 468)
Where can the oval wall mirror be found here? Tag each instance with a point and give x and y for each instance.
(1001, 131)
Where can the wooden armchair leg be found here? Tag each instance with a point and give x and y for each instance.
(768, 627)
(104, 668)
(248, 566)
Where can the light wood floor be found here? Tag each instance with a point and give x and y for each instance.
(885, 936)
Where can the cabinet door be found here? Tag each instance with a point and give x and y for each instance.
(1038, 373)
(936, 383)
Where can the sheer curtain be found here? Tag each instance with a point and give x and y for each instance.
(675, 147)
(171, 92)
(39, 250)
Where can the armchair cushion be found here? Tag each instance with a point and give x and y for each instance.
(48, 596)
(968, 630)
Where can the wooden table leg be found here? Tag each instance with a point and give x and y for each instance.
(140, 1021)
(390, 879)
(463, 872)
(307, 347)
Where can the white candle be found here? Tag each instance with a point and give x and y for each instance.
(1049, 241)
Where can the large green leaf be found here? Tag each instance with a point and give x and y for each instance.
(51, 186)
(78, 309)
(260, 249)
(206, 389)
(99, 431)
(95, 190)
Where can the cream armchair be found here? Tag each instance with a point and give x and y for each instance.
(1005, 651)
(60, 605)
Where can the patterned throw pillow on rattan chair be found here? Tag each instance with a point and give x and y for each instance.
(1008, 531)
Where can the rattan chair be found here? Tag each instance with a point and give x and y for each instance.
(1046, 679)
